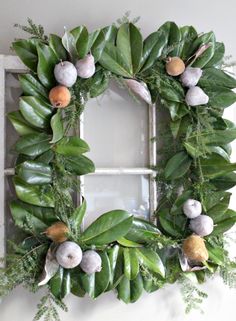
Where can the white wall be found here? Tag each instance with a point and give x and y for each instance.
(165, 305)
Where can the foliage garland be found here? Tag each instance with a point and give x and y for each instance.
(136, 255)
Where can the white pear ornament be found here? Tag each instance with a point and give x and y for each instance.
(191, 76)
(192, 208)
(202, 225)
(140, 89)
(86, 67)
(69, 255)
(65, 73)
(91, 262)
(195, 96)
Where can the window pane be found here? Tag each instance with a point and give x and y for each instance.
(106, 193)
(116, 128)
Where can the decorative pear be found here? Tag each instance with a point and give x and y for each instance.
(194, 248)
(140, 89)
(59, 96)
(65, 73)
(57, 232)
(175, 66)
(192, 208)
(191, 76)
(69, 255)
(91, 262)
(195, 96)
(86, 67)
(202, 225)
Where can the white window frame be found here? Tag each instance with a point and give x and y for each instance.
(12, 64)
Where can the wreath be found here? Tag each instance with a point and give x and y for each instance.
(183, 72)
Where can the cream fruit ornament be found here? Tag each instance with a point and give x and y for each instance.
(140, 89)
(69, 255)
(65, 73)
(202, 225)
(195, 96)
(86, 67)
(175, 66)
(191, 76)
(194, 249)
(91, 262)
(192, 208)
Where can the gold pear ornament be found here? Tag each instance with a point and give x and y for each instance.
(59, 96)
(194, 248)
(57, 232)
(175, 66)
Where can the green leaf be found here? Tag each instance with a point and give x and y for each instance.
(76, 282)
(216, 166)
(71, 146)
(34, 172)
(218, 210)
(82, 42)
(31, 86)
(113, 60)
(225, 182)
(142, 231)
(152, 49)
(215, 77)
(127, 243)
(57, 127)
(55, 43)
(26, 50)
(107, 228)
(177, 110)
(20, 124)
(188, 35)
(33, 144)
(151, 260)
(173, 36)
(129, 42)
(116, 260)
(46, 63)
(23, 218)
(79, 165)
(130, 291)
(171, 90)
(220, 97)
(60, 284)
(34, 194)
(96, 283)
(66, 284)
(227, 222)
(78, 214)
(173, 224)
(35, 111)
(216, 254)
(207, 38)
(177, 166)
(69, 43)
(98, 84)
(131, 263)
(218, 56)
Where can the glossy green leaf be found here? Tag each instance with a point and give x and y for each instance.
(71, 146)
(34, 194)
(116, 259)
(113, 60)
(34, 172)
(78, 214)
(55, 284)
(96, 283)
(218, 210)
(107, 228)
(152, 49)
(131, 263)
(177, 206)
(20, 124)
(220, 97)
(188, 35)
(46, 63)
(33, 144)
(215, 77)
(172, 224)
(225, 182)
(76, 282)
(177, 110)
(57, 127)
(216, 254)
(173, 37)
(26, 50)
(171, 90)
(35, 111)
(46, 157)
(142, 231)
(227, 221)
(66, 284)
(82, 42)
(129, 42)
(205, 39)
(55, 43)
(177, 166)
(151, 260)
(98, 84)
(69, 43)
(218, 56)
(31, 86)
(79, 165)
(128, 243)
(216, 166)
(130, 291)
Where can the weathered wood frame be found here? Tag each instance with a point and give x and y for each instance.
(12, 64)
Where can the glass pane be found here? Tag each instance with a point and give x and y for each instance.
(106, 193)
(116, 128)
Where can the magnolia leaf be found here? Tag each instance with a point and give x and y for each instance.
(57, 127)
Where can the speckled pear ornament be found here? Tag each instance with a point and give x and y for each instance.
(194, 248)
(69, 255)
(59, 96)
(202, 225)
(195, 96)
(65, 73)
(85, 67)
(140, 89)
(57, 232)
(175, 66)
(91, 262)
(192, 208)
(191, 76)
